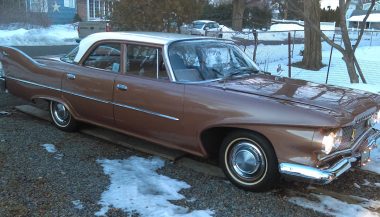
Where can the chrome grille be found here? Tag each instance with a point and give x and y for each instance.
(352, 133)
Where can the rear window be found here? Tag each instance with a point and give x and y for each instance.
(198, 25)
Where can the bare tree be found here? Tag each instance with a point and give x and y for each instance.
(347, 49)
(237, 14)
(312, 56)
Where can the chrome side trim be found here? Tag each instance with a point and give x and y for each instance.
(33, 83)
(95, 99)
(87, 97)
(147, 111)
(319, 176)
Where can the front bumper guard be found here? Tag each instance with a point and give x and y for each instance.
(311, 174)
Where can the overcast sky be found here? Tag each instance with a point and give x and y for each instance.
(332, 3)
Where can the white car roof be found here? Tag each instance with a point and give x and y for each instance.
(160, 38)
(204, 21)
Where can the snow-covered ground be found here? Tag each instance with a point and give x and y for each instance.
(274, 59)
(14, 35)
(334, 207)
(136, 187)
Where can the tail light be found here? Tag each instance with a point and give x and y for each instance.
(108, 27)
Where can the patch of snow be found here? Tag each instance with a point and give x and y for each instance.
(366, 183)
(137, 187)
(374, 165)
(356, 185)
(53, 35)
(58, 156)
(77, 204)
(50, 148)
(4, 113)
(377, 185)
(331, 206)
(191, 200)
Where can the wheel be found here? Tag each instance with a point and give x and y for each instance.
(249, 161)
(62, 117)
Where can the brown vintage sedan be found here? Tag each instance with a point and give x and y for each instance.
(203, 96)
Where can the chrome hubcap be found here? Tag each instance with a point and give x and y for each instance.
(60, 114)
(247, 161)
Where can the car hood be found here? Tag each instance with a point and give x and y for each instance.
(334, 98)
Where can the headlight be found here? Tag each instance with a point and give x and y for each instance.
(332, 141)
(375, 119)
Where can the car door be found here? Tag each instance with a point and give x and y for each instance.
(89, 86)
(214, 29)
(147, 104)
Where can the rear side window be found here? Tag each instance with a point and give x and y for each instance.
(145, 61)
(105, 56)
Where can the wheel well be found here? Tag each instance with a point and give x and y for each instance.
(213, 138)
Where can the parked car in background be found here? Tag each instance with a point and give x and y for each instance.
(90, 27)
(206, 97)
(206, 28)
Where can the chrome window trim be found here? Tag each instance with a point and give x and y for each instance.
(95, 99)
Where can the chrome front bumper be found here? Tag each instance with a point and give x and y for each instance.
(304, 173)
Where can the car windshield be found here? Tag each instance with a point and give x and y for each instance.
(198, 25)
(204, 60)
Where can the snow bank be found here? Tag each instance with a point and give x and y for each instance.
(331, 206)
(53, 35)
(285, 27)
(137, 187)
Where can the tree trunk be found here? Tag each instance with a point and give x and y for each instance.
(312, 56)
(237, 14)
(349, 60)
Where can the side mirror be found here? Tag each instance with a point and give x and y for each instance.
(206, 28)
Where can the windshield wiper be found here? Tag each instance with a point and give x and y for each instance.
(241, 71)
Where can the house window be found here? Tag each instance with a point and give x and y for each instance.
(39, 6)
(69, 3)
(99, 9)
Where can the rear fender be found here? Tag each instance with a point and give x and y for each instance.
(59, 100)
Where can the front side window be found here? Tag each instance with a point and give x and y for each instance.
(69, 58)
(203, 60)
(145, 61)
(105, 56)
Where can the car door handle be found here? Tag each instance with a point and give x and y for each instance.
(70, 76)
(122, 87)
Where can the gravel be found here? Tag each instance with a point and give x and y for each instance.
(34, 182)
